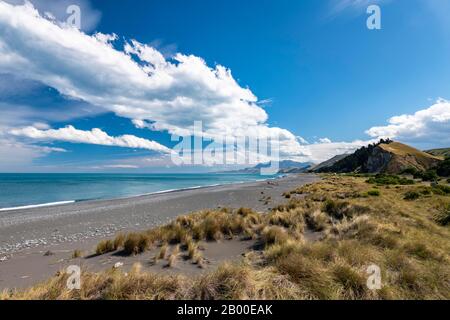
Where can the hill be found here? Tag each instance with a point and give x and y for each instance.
(383, 157)
(285, 166)
(444, 152)
(328, 163)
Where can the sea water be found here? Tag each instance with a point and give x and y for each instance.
(25, 190)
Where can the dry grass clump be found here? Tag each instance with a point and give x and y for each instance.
(342, 209)
(105, 246)
(294, 218)
(242, 282)
(119, 241)
(136, 243)
(172, 260)
(443, 216)
(198, 259)
(352, 281)
(77, 254)
(192, 248)
(162, 252)
(273, 235)
(317, 220)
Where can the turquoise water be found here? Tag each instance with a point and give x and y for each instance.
(18, 190)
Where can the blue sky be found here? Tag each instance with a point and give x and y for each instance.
(311, 70)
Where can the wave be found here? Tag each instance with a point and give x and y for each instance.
(50, 204)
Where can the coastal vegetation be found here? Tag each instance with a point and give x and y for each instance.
(402, 228)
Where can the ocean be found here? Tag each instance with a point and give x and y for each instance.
(24, 190)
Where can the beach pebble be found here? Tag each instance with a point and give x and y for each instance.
(118, 265)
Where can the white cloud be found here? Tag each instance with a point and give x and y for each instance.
(431, 125)
(138, 83)
(324, 150)
(94, 136)
(324, 140)
(338, 6)
(120, 166)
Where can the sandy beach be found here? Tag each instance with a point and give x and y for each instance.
(27, 235)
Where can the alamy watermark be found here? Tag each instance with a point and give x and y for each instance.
(74, 18)
(74, 280)
(374, 20)
(374, 279)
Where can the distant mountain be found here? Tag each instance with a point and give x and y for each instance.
(285, 166)
(445, 152)
(383, 157)
(328, 163)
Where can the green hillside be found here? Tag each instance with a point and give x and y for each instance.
(444, 152)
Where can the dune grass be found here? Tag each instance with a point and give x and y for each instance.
(408, 240)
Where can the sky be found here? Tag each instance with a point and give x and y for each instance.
(110, 96)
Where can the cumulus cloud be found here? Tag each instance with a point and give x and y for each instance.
(424, 126)
(94, 136)
(137, 82)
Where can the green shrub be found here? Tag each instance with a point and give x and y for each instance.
(430, 175)
(411, 170)
(426, 191)
(443, 168)
(385, 179)
(374, 193)
(441, 189)
(411, 195)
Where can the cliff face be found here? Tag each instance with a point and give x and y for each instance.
(384, 157)
(378, 161)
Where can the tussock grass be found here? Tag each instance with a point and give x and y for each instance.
(172, 260)
(119, 241)
(136, 243)
(192, 249)
(274, 235)
(104, 246)
(162, 252)
(443, 216)
(77, 254)
(317, 220)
